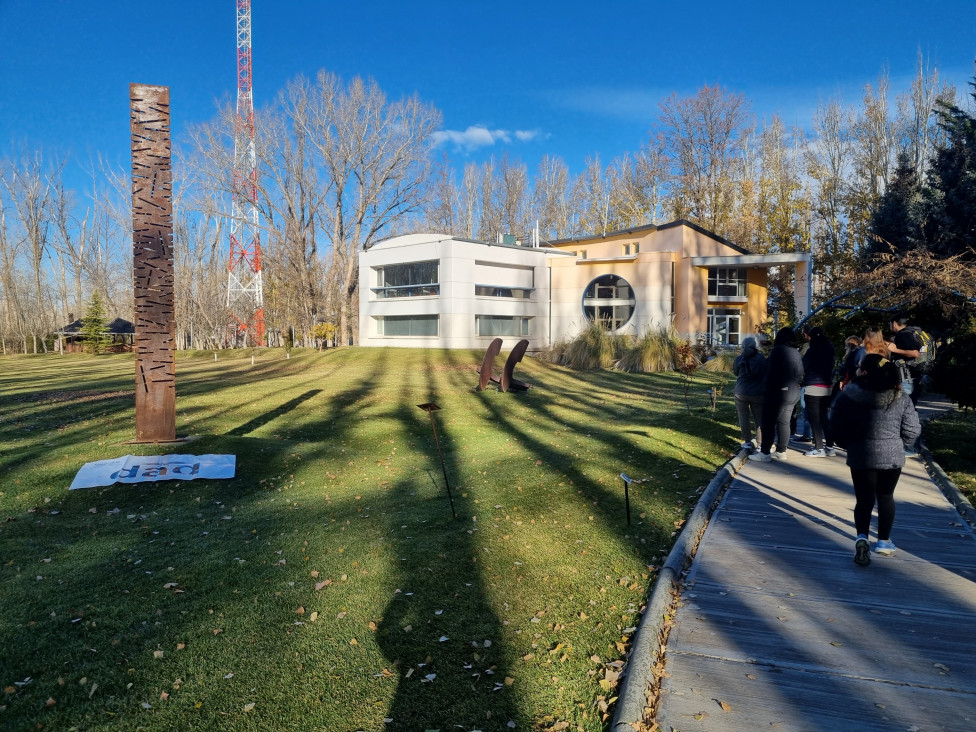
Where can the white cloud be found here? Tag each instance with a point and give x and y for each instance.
(478, 136)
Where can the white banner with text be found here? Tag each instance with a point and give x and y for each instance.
(143, 469)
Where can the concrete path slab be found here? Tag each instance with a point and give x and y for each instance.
(778, 629)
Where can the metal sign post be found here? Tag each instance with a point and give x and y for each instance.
(627, 481)
(430, 408)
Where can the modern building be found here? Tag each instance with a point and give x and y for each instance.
(431, 290)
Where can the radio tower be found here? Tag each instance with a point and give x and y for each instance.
(245, 298)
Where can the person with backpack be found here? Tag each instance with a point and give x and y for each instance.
(905, 348)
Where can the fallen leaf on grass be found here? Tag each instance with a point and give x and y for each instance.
(248, 707)
(300, 610)
(158, 654)
(323, 583)
(313, 617)
(180, 646)
(50, 702)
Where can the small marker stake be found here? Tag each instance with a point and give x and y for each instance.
(430, 408)
(627, 481)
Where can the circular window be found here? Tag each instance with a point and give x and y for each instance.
(609, 300)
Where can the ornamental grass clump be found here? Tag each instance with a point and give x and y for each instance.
(594, 348)
(654, 351)
(721, 362)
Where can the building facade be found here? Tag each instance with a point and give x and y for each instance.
(429, 290)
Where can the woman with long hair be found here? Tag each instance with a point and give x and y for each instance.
(875, 422)
(873, 342)
(781, 390)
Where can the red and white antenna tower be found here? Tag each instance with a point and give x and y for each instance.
(245, 297)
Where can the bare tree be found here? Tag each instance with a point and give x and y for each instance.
(873, 147)
(828, 158)
(375, 158)
(705, 137)
(30, 189)
(552, 198)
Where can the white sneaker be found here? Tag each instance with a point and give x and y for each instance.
(761, 457)
(779, 455)
(815, 453)
(830, 452)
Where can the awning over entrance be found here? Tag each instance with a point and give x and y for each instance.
(801, 261)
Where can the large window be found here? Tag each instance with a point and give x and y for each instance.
(501, 325)
(407, 280)
(406, 325)
(610, 300)
(726, 282)
(724, 326)
(520, 293)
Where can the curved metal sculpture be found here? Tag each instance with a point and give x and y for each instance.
(508, 381)
(486, 364)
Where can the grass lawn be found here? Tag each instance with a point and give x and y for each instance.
(326, 586)
(951, 439)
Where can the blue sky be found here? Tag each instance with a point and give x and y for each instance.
(525, 78)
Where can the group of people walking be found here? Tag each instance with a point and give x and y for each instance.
(864, 405)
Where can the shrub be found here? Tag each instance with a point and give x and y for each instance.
(955, 364)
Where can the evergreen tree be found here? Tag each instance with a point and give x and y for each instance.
(950, 196)
(93, 325)
(896, 222)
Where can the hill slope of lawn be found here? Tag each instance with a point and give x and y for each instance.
(327, 585)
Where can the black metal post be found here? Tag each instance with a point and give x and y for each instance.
(627, 481)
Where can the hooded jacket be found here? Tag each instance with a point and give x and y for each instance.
(875, 427)
(818, 363)
(784, 371)
(749, 368)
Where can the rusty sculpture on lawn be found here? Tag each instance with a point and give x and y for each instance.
(152, 263)
(508, 382)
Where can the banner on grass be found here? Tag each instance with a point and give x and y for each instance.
(143, 469)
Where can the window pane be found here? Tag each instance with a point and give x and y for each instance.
(501, 325)
(413, 279)
(610, 300)
(408, 325)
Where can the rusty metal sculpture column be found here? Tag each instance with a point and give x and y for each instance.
(152, 263)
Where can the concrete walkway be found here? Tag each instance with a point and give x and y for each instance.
(778, 629)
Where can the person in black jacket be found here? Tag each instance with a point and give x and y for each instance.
(749, 368)
(818, 383)
(874, 420)
(784, 372)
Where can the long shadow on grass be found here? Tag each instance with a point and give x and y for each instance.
(439, 629)
(100, 598)
(273, 414)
